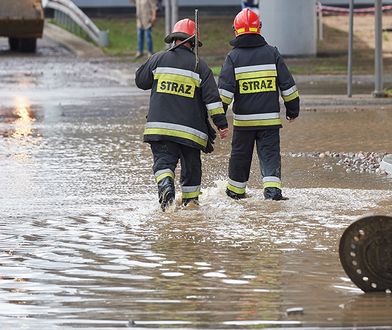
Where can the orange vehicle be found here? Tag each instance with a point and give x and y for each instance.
(22, 21)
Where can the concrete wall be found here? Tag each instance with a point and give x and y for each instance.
(290, 25)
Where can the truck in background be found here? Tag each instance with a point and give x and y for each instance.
(22, 22)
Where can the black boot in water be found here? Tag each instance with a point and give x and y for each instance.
(274, 194)
(166, 192)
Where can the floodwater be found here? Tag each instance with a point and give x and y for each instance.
(83, 243)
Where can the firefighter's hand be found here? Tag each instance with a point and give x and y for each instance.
(223, 133)
(290, 120)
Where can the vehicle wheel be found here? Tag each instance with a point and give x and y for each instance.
(28, 45)
(14, 43)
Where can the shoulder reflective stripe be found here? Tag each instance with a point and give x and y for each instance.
(289, 91)
(256, 74)
(237, 184)
(177, 127)
(181, 72)
(258, 116)
(226, 93)
(177, 78)
(291, 97)
(250, 123)
(239, 191)
(211, 106)
(160, 175)
(252, 68)
(189, 189)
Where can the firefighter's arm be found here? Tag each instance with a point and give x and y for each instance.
(211, 99)
(227, 83)
(288, 89)
(144, 77)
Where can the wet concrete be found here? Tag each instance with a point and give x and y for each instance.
(84, 244)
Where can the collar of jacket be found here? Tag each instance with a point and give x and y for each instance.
(185, 47)
(248, 41)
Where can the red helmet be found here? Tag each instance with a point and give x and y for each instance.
(247, 22)
(182, 30)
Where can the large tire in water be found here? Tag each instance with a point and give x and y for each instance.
(14, 43)
(27, 45)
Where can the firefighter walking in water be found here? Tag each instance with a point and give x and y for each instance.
(182, 96)
(252, 75)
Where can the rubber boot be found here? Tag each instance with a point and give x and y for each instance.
(166, 192)
(234, 195)
(190, 201)
(274, 194)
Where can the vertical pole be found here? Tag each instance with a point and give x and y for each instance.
(320, 20)
(174, 12)
(350, 51)
(168, 20)
(378, 62)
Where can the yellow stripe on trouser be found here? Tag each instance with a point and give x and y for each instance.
(272, 184)
(291, 97)
(174, 133)
(263, 122)
(164, 175)
(237, 190)
(190, 194)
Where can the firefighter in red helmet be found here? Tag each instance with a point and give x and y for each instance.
(253, 76)
(182, 97)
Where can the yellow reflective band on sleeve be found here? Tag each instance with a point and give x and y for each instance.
(290, 97)
(164, 175)
(251, 123)
(271, 184)
(216, 111)
(175, 133)
(237, 190)
(258, 85)
(191, 194)
(256, 74)
(225, 99)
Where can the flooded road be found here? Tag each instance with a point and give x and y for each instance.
(84, 244)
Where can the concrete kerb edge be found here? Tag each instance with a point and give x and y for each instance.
(73, 43)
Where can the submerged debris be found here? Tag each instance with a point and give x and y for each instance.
(294, 311)
(360, 162)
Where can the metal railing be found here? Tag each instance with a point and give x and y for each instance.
(66, 13)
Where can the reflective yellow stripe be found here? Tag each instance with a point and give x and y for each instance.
(217, 111)
(272, 185)
(225, 99)
(256, 74)
(291, 97)
(190, 194)
(241, 30)
(178, 78)
(266, 122)
(164, 175)
(174, 133)
(252, 29)
(237, 190)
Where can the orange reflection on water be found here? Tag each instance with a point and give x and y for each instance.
(25, 117)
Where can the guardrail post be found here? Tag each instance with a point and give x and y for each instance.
(103, 40)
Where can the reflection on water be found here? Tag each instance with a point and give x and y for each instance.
(83, 243)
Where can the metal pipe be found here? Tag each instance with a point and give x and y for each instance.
(167, 18)
(378, 58)
(174, 12)
(320, 21)
(350, 50)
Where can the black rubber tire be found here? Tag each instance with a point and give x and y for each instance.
(27, 45)
(14, 43)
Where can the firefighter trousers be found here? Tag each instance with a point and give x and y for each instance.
(268, 151)
(166, 156)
